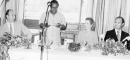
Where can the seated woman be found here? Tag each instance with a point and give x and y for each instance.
(88, 35)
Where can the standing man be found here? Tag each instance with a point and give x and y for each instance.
(55, 22)
(117, 33)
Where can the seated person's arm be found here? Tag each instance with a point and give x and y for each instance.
(79, 36)
(96, 38)
(127, 37)
(106, 36)
(26, 31)
(1, 31)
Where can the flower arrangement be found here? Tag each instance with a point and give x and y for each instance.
(112, 47)
(3, 52)
(7, 41)
(108, 47)
(14, 41)
(74, 47)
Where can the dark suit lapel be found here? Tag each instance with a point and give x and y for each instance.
(114, 35)
(122, 35)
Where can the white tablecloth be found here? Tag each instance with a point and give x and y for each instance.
(61, 53)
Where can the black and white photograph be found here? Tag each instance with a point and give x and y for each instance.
(64, 29)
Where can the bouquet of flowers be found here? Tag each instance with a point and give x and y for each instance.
(112, 47)
(97, 46)
(7, 41)
(3, 52)
(74, 47)
(14, 41)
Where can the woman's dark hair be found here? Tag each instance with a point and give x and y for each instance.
(92, 23)
(54, 1)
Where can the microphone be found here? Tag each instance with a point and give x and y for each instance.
(49, 3)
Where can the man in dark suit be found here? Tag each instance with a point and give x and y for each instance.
(117, 33)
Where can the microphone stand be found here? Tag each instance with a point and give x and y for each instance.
(44, 30)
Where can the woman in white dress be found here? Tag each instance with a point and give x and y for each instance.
(88, 35)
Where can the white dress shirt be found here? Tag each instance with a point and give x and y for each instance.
(118, 32)
(53, 32)
(12, 25)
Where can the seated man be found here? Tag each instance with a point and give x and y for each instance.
(13, 27)
(117, 33)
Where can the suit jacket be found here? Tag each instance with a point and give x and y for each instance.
(19, 29)
(112, 34)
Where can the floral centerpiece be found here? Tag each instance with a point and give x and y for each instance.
(8, 41)
(74, 47)
(112, 47)
(3, 52)
(106, 48)
(15, 41)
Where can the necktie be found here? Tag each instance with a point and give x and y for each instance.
(11, 29)
(118, 35)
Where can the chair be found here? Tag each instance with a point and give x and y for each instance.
(101, 37)
(69, 33)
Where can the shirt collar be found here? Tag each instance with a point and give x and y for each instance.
(118, 30)
(54, 14)
(12, 23)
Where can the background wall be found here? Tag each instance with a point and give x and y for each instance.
(103, 12)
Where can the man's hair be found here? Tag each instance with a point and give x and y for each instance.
(54, 1)
(7, 12)
(123, 21)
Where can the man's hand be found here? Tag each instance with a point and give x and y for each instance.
(58, 25)
(41, 25)
(127, 38)
(63, 27)
(44, 25)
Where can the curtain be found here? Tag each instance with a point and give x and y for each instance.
(2, 11)
(125, 14)
(128, 15)
(20, 10)
(105, 12)
(99, 16)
